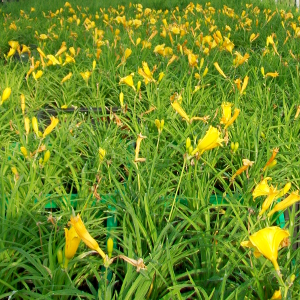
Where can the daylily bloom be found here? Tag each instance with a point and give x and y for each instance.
(14, 44)
(53, 59)
(274, 153)
(276, 295)
(219, 69)
(175, 104)
(128, 80)
(146, 73)
(5, 95)
(11, 52)
(262, 189)
(69, 59)
(266, 242)
(86, 75)
(210, 140)
(54, 122)
(37, 75)
(253, 37)
(67, 77)
(62, 49)
(233, 118)
(272, 74)
(72, 243)
(82, 232)
(41, 52)
(272, 195)
(226, 112)
(287, 202)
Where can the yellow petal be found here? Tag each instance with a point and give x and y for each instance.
(82, 232)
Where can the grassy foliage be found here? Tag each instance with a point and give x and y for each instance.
(181, 212)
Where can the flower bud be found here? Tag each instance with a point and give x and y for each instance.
(59, 255)
(23, 103)
(236, 146)
(24, 151)
(27, 125)
(46, 156)
(138, 87)
(191, 149)
(121, 97)
(272, 164)
(5, 95)
(110, 247)
(35, 126)
(232, 146)
(102, 153)
(157, 124)
(188, 144)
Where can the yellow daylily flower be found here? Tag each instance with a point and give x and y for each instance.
(67, 77)
(266, 242)
(25, 48)
(72, 243)
(43, 36)
(86, 75)
(128, 80)
(272, 74)
(210, 140)
(253, 37)
(41, 52)
(233, 118)
(193, 59)
(5, 95)
(276, 295)
(273, 195)
(219, 69)
(287, 202)
(175, 104)
(146, 73)
(53, 124)
(62, 49)
(53, 59)
(245, 83)
(226, 112)
(69, 59)
(262, 189)
(82, 232)
(14, 44)
(37, 75)
(11, 52)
